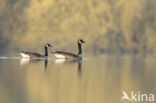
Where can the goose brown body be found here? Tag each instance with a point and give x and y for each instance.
(68, 55)
(34, 54)
(65, 55)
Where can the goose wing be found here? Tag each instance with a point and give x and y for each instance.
(32, 54)
(62, 54)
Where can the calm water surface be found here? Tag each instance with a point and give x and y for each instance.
(97, 79)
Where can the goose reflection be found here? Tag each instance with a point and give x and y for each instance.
(70, 61)
(25, 61)
(79, 67)
(45, 64)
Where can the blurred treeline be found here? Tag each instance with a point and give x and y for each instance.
(106, 25)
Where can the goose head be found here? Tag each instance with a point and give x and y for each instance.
(48, 45)
(81, 41)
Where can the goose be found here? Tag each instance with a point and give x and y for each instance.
(68, 55)
(35, 55)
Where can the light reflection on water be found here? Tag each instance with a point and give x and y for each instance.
(99, 79)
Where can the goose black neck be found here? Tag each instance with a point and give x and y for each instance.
(46, 51)
(79, 48)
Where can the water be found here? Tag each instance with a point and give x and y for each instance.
(97, 79)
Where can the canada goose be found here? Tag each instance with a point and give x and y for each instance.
(67, 55)
(35, 55)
